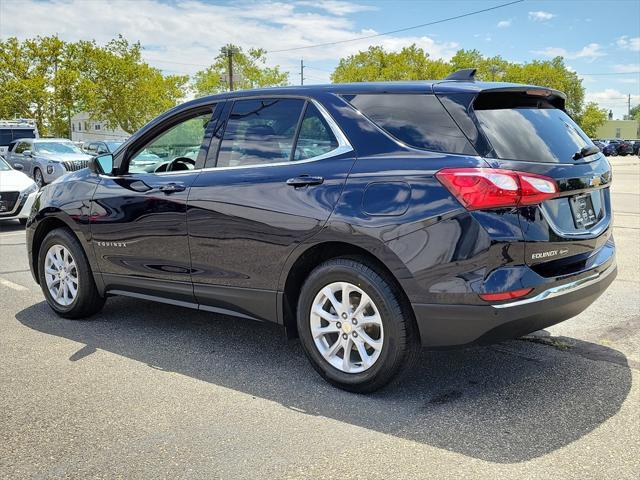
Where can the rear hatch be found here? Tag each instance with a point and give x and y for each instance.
(527, 130)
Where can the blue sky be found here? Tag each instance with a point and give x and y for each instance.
(182, 36)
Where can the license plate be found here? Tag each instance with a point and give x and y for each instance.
(584, 215)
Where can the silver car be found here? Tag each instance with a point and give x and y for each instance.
(45, 159)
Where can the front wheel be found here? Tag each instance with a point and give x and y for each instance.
(38, 178)
(354, 325)
(65, 276)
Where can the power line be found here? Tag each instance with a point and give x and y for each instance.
(435, 22)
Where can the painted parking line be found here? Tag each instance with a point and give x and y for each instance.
(14, 286)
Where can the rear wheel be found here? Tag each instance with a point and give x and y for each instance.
(354, 326)
(38, 178)
(65, 276)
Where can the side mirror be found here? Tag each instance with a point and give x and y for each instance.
(26, 153)
(17, 166)
(102, 164)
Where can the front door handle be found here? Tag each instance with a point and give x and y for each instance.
(304, 180)
(172, 187)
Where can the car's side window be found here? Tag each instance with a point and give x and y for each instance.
(260, 131)
(315, 137)
(174, 149)
(22, 146)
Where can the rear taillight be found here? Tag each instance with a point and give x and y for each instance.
(482, 188)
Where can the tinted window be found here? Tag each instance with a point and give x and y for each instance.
(526, 128)
(181, 141)
(260, 131)
(24, 133)
(5, 136)
(417, 120)
(315, 137)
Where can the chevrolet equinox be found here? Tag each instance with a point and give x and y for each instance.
(366, 219)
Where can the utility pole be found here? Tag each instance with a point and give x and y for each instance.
(230, 60)
(629, 106)
(301, 71)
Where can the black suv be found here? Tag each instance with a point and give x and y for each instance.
(366, 219)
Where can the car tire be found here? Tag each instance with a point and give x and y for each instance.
(397, 337)
(38, 178)
(61, 252)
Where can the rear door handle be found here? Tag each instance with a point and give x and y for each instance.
(172, 187)
(304, 180)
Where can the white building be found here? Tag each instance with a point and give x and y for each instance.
(85, 129)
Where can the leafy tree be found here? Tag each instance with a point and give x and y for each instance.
(51, 80)
(120, 88)
(249, 71)
(591, 118)
(412, 63)
(634, 114)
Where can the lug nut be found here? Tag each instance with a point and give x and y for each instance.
(355, 334)
(354, 321)
(344, 315)
(338, 325)
(344, 335)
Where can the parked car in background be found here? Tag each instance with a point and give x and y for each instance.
(624, 147)
(17, 193)
(599, 144)
(611, 148)
(46, 159)
(364, 218)
(98, 148)
(11, 130)
(636, 147)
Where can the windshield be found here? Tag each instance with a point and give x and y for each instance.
(4, 166)
(535, 133)
(56, 147)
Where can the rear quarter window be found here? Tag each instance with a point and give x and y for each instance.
(529, 128)
(417, 120)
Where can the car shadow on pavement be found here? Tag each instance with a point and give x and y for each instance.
(505, 403)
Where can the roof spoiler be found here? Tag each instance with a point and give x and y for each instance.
(465, 74)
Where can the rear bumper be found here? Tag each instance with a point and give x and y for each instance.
(457, 325)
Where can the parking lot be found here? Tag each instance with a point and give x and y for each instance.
(153, 391)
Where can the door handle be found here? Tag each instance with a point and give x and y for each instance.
(172, 187)
(304, 180)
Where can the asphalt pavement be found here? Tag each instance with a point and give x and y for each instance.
(152, 391)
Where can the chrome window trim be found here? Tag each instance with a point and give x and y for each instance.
(343, 144)
(562, 289)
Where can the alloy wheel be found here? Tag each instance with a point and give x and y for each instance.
(38, 178)
(346, 327)
(61, 275)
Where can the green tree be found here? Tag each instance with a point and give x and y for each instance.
(634, 113)
(591, 118)
(249, 71)
(412, 63)
(118, 87)
(51, 80)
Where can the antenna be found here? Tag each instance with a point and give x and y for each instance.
(465, 74)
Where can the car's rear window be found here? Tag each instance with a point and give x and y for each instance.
(418, 120)
(529, 128)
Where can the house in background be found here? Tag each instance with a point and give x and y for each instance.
(623, 129)
(86, 129)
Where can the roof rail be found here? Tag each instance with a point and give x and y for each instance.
(465, 74)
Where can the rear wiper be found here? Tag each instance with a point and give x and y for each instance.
(585, 152)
